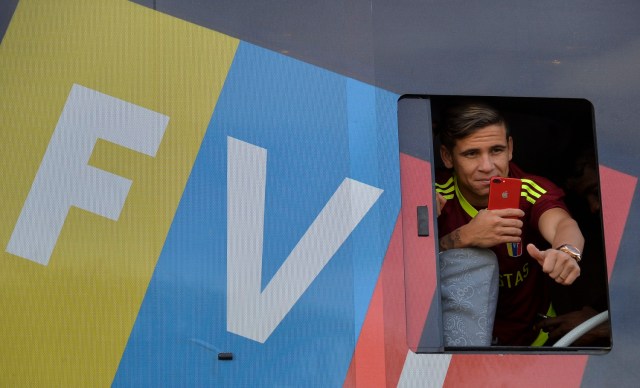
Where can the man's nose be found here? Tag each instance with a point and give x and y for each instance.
(486, 163)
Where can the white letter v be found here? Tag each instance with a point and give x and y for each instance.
(250, 312)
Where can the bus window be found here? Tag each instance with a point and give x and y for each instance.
(497, 297)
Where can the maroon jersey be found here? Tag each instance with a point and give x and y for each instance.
(524, 287)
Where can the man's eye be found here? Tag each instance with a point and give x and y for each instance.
(497, 150)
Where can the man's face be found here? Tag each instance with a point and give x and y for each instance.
(478, 157)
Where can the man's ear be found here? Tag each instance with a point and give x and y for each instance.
(445, 154)
(510, 145)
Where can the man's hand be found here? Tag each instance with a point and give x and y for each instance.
(440, 202)
(487, 229)
(560, 266)
(492, 227)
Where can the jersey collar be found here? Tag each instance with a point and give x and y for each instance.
(466, 206)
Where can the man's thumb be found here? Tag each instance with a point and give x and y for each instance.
(535, 253)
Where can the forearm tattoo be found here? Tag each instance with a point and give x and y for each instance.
(450, 241)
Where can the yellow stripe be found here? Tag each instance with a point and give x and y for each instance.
(533, 185)
(528, 198)
(446, 184)
(67, 324)
(543, 336)
(531, 191)
(445, 191)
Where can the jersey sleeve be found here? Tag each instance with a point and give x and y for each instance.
(543, 195)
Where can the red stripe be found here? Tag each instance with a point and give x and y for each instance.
(369, 354)
(617, 193)
(515, 371)
(369, 364)
(419, 252)
(395, 323)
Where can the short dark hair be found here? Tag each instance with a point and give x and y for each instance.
(463, 120)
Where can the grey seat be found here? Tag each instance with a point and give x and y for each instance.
(469, 288)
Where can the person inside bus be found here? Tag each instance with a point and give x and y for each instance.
(587, 296)
(475, 146)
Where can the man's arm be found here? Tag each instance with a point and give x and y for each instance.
(451, 241)
(558, 228)
(558, 326)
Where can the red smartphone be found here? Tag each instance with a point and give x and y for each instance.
(504, 193)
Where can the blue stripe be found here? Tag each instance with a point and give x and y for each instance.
(318, 128)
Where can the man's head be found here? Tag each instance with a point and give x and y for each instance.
(476, 145)
(462, 120)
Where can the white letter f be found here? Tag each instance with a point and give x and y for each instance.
(65, 179)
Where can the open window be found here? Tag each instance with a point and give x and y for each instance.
(553, 138)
